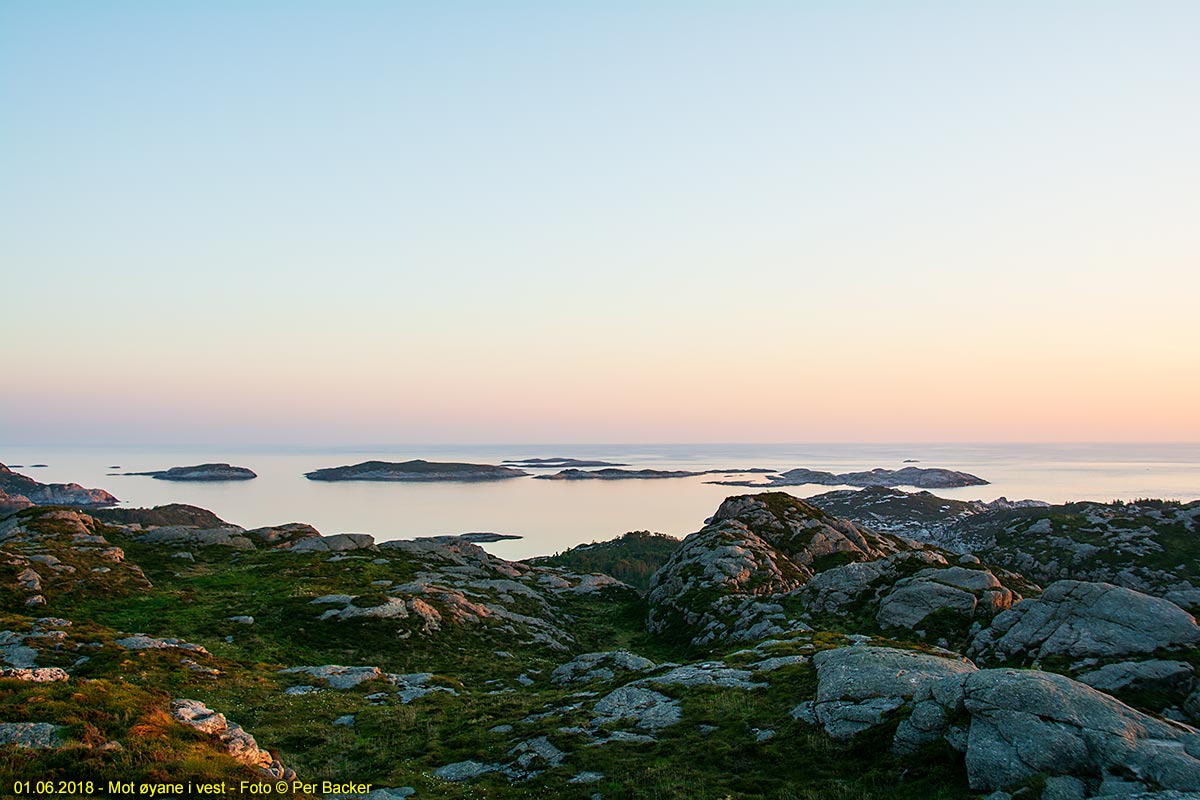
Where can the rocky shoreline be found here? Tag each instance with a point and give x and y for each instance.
(18, 490)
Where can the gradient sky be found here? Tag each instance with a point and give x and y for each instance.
(357, 222)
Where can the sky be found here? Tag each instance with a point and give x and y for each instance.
(362, 222)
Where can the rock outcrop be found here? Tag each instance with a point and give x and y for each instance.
(48, 553)
(860, 687)
(1011, 725)
(1086, 620)
(1151, 546)
(234, 739)
(30, 735)
(21, 488)
(10, 503)
(170, 514)
(732, 580)
(605, 666)
(1014, 725)
(917, 515)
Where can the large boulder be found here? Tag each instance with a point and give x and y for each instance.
(861, 687)
(968, 592)
(338, 542)
(1027, 723)
(177, 535)
(1013, 725)
(1086, 620)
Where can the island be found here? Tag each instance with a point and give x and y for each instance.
(476, 537)
(200, 472)
(918, 477)
(641, 474)
(417, 470)
(20, 490)
(558, 463)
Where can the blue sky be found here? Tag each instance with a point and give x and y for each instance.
(370, 221)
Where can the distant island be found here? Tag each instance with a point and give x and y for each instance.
(474, 536)
(200, 472)
(918, 477)
(644, 474)
(417, 470)
(558, 463)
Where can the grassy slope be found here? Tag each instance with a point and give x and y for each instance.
(121, 696)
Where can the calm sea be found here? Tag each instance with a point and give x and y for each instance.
(555, 515)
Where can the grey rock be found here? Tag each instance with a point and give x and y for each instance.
(14, 653)
(859, 687)
(1025, 723)
(1172, 677)
(392, 608)
(30, 735)
(283, 536)
(586, 777)
(648, 709)
(461, 771)
(806, 712)
(1064, 787)
(603, 666)
(1084, 620)
(337, 676)
(241, 619)
(345, 719)
(705, 674)
(140, 641)
(969, 592)
(339, 542)
(911, 601)
(230, 536)
(333, 599)
(623, 736)
(833, 590)
(537, 753)
(777, 662)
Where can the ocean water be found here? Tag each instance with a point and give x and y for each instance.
(554, 515)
